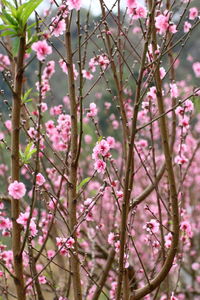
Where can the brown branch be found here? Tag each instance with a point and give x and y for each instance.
(73, 164)
(104, 275)
(15, 170)
(129, 170)
(140, 293)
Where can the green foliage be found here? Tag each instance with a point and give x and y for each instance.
(83, 182)
(15, 18)
(27, 154)
(196, 101)
(25, 98)
(100, 139)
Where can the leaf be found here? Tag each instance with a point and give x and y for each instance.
(28, 153)
(9, 18)
(26, 95)
(28, 148)
(83, 182)
(8, 32)
(31, 26)
(196, 101)
(15, 46)
(100, 139)
(28, 100)
(28, 9)
(11, 7)
(4, 27)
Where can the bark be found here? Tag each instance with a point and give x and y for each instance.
(15, 171)
(140, 293)
(73, 165)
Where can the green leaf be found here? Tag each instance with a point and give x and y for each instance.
(15, 46)
(33, 39)
(28, 148)
(11, 7)
(83, 182)
(28, 9)
(26, 95)
(28, 153)
(196, 101)
(4, 27)
(8, 32)
(9, 18)
(100, 139)
(31, 26)
(28, 100)
(20, 10)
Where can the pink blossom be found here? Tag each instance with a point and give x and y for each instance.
(152, 93)
(100, 166)
(74, 4)
(8, 124)
(87, 75)
(5, 223)
(111, 238)
(93, 110)
(193, 13)
(168, 240)
(56, 110)
(88, 139)
(173, 297)
(50, 253)
(162, 23)
(184, 122)
(111, 141)
(173, 90)
(2, 136)
(44, 107)
(42, 49)
(49, 70)
(180, 160)
(186, 227)
(188, 106)
(4, 62)
(115, 124)
(117, 246)
(137, 11)
(40, 180)
(172, 28)
(64, 10)
(103, 61)
(42, 279)
(119, 194)
(141, 11)
(33, 228)
(23, 218)
(63, 66)
(196, 69)
(131, 3)
(17, 190)
(162, 72)
(152, 226)
(58, 26)
(187, 27)
(3, 169)
(101, 148)
(195, 266)
(64, 245)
